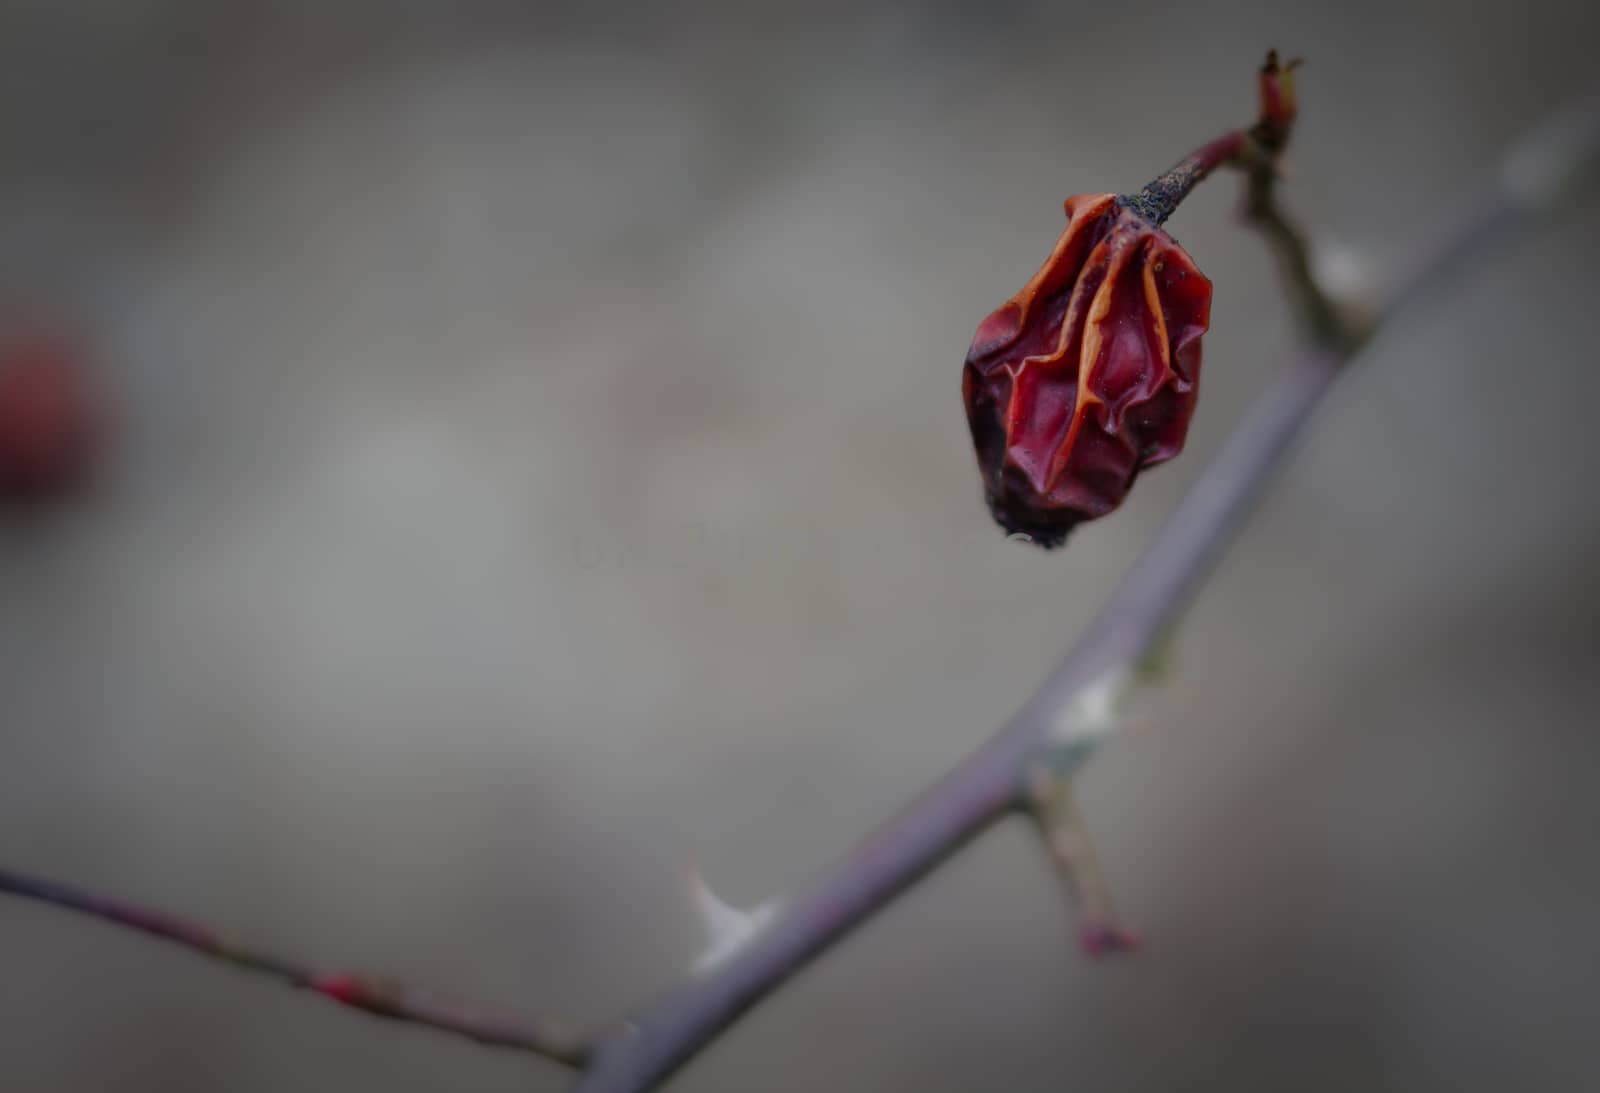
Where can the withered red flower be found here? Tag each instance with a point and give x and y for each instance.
(1089, 374)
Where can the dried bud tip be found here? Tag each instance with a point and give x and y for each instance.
(1273, 66)
(1278, 105)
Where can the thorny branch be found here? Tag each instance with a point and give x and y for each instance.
(1027, 766)
(1065, 721)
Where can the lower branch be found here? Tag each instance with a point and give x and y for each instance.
(380, 997)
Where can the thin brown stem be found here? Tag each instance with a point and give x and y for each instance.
(378, 996)
(1319, 317)
(1161, 197)
(1256, 151)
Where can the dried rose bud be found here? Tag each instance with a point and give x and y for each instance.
(49, 419)
(1088, 375)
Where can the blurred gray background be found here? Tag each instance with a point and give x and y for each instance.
(539, 468)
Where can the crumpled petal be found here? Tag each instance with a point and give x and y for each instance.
(1089, 374)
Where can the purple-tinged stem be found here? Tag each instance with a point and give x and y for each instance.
(987, 785)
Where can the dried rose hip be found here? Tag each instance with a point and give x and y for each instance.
(1089, 374)
(49, 421)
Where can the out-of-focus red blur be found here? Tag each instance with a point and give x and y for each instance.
(51, 422)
